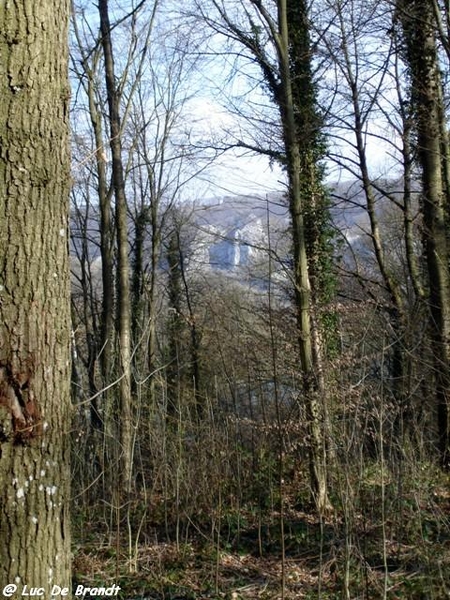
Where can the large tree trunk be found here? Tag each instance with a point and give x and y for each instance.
(34, 295)
(417, 21)
(299, 121)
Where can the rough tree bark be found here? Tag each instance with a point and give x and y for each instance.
(416, 18)
(34, 294)
(302, 131)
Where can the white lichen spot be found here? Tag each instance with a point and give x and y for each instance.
(15, 481)
(17, 579)
(55, 275)
(42, 473)
(34, 519)
(62, 232)
(2, 287)
(57, 558)
(47, 464)
(45, 427)
(30, 477)
(50, 575)
(27, 483)
(51, 490)
(20, 493)
(41, 487)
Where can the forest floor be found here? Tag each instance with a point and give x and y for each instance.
(404, 556)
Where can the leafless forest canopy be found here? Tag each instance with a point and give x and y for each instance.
(261, 376)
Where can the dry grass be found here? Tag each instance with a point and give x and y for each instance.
(325, 560)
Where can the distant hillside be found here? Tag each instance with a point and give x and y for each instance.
(233, 233)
